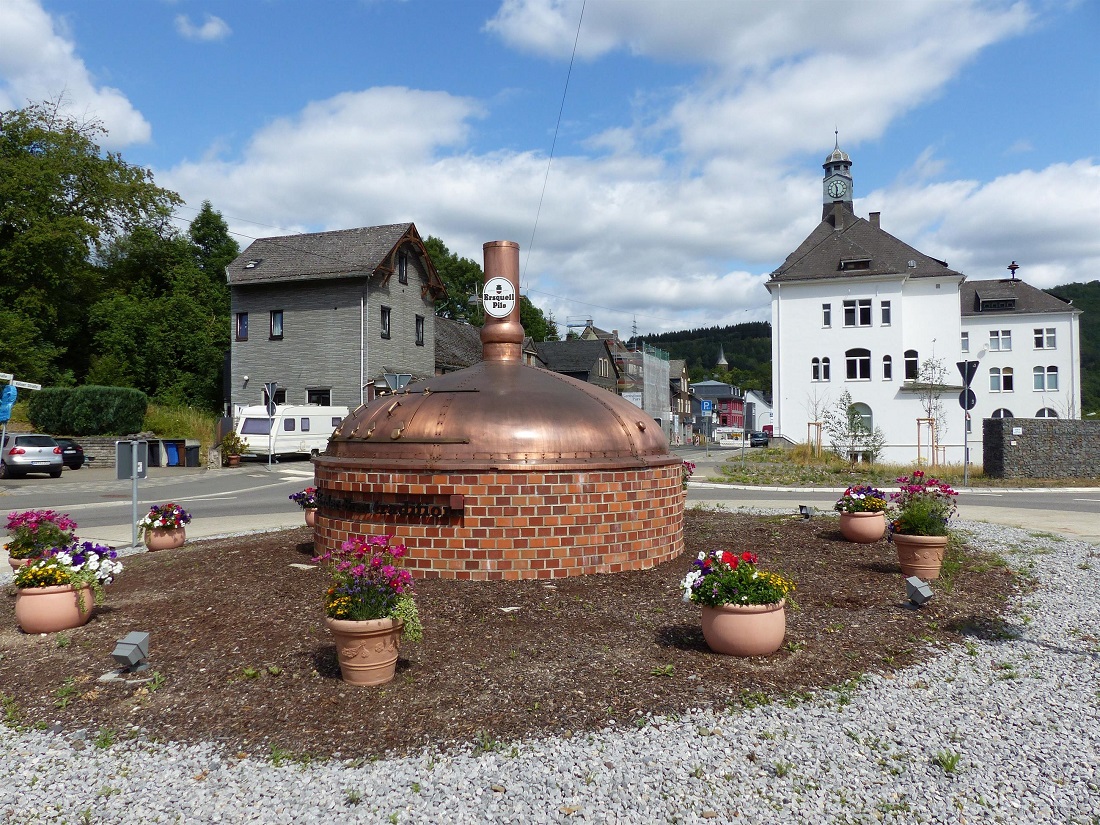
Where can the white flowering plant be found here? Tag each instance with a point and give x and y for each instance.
(722, 577)
(164, 516)
(77, 564)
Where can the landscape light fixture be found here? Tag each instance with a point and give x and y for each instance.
(132, 652)
(805, 510)
(918, 591)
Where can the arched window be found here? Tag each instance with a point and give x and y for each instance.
(1046, 412)
(864, 413)
(912, 365)
(1045, 378)
(1000, 379)
(858, 363)
(815, 369)
(1002, 413)
(887, 368)
(825, 369)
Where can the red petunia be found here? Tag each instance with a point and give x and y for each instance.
(749, 557)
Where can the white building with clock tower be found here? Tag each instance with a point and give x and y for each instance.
(855, 309)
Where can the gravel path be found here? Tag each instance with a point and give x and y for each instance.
(998, 730)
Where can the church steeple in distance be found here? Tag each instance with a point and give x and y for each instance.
(836, 186)
(722, 362)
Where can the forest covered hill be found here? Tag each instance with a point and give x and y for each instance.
(747, 347)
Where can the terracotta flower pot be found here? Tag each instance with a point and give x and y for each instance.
(745, 630)
(311, 516)
(920, 556)
(50, 609)
(17, 563)
(863, 528)
(233, 460)
(367, 650)
(165, 538)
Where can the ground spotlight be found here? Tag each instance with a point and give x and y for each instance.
(132, 652)
(918, 591)
(805, 510)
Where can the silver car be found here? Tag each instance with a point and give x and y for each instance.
(24, 453)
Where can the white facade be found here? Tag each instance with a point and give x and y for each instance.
(855, 309)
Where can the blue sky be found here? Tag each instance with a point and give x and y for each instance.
(688, 162)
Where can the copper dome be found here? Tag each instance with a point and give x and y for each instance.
(500, 413)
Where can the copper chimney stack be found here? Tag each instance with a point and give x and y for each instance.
(502, 334)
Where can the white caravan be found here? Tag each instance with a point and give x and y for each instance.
(292, 429)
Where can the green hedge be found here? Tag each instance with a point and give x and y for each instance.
(88, 410)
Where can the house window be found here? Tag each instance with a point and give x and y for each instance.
(1000, 380)
(857, 313)
(858, 363)
(1002, 413)
(912, 365)
(385, 322)
(276, 325)
(1046, 412)
(1045, 338)
(280, 397)
(826, 315)
(1000, 340)
(966, 342)
(815, 369)
(1045, 378)
(885, 306)
(242, 326)
(321, 397)
(825, 369)
(887, 368)
(420, 330)
(403, 268)
(865, 417)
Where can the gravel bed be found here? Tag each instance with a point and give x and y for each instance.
(1003, 729)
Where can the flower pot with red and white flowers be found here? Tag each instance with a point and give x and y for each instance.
(163, 526)
(307, 500)
(744, 607)
(921, 510)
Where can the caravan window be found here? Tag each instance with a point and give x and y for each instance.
(305, 425)
(256, 426)
(288, 425)
(336, 421)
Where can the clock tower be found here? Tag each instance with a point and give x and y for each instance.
(836, 187)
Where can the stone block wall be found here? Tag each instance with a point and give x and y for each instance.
(1040, 448)
(509, 525)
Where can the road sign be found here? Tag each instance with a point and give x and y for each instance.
(6, 376)
(127, 464)
(25, 385)
(707, 406)
(967, 400)
(967, 369)
(269, 388)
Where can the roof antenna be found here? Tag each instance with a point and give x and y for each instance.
(1012, 267)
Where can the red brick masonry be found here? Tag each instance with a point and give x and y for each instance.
(514, 525)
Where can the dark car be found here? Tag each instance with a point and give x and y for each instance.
(758, 439)
(72, 454)
(24, 453)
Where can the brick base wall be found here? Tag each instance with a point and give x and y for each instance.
(514, 525)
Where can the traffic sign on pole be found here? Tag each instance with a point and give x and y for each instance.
(967, 369)
(967, 399)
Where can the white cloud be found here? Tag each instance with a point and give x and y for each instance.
(37, 63)
(212, 28)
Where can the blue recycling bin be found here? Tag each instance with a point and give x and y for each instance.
(172, 450)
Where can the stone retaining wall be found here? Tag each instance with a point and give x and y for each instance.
(1040, 448)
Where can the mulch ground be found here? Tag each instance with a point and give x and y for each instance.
(240, 656)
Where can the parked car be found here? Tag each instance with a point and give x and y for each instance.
(24, 453)
(72, 454)
(758, 439)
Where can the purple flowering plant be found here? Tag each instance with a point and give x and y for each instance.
(168, 516)
(861, 498)
(366, 583)
(306, 499)
(77, 564)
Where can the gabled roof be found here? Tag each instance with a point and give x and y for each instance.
(457, 344)
(845, 246)
(576, 355)
(712, 389)
(1006, 296)
(344, 253)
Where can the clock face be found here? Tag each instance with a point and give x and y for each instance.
(837, 188)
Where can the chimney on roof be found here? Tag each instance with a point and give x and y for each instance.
(615, 334)
(874, 219)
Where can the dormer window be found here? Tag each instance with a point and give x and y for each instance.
(995, 304)
(853, 264)
(255, 262)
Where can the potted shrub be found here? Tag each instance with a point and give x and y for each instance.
(58, 590)
(862, 511)
(163, 526)
(232, 446)
(744, 607)
(922, 508)
(33, 532)
(307, 500)
(369, 608)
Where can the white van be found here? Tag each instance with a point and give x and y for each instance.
(293, 429)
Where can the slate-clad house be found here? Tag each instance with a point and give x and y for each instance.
(856, 309)
(326, 314)
(585, 360)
